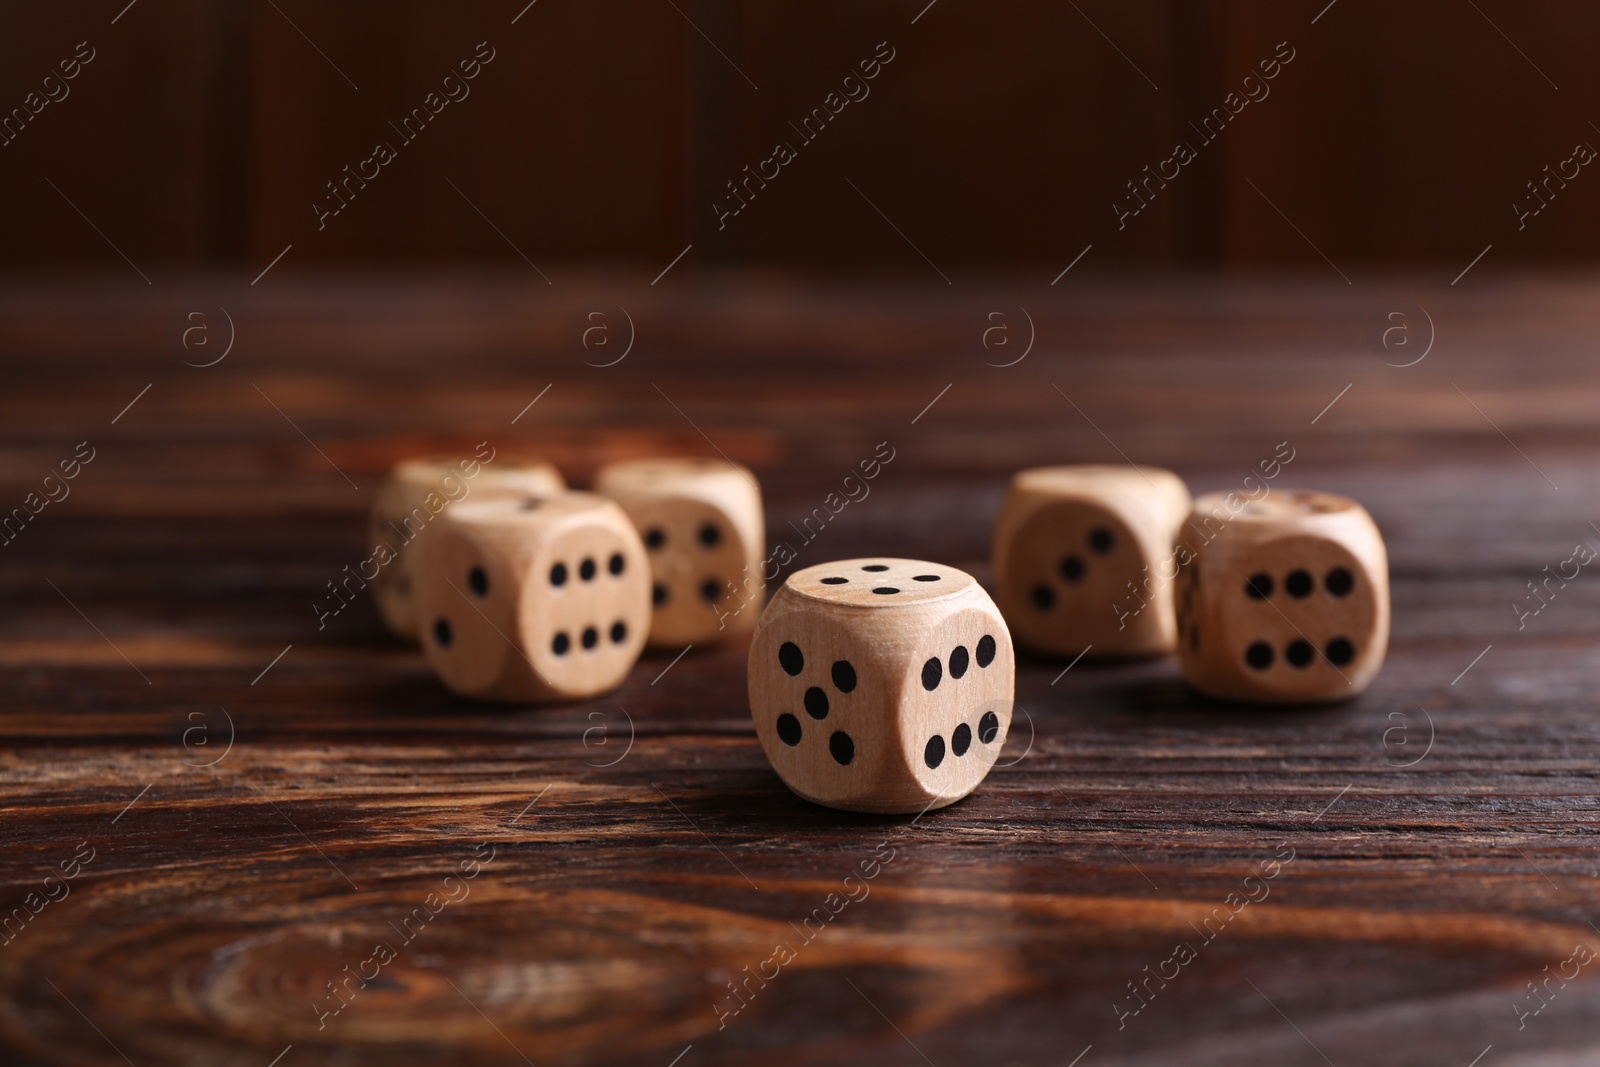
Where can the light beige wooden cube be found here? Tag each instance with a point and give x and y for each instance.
(703, 526)
(533, 599)
(1082, 559)
(1281, 601)
(882, 685)
(416, 492)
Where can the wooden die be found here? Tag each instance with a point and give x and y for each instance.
(530, 599)
(881, 685)
(414, 495)
(1284, 600)
(703, 526)
(1082, 558)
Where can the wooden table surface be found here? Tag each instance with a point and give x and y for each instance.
(239, 808)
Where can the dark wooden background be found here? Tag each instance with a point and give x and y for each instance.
(603, 131)
(1442, 824)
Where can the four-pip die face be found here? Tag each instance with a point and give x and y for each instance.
(533, 599)
(882, 685)
(702, 525)
(1082, 558)
(1281, 601)
(413, 497)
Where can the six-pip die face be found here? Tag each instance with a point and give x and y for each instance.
(1288, 602)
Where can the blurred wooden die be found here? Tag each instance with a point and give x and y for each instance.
(1082, 559)
(416, 492)
(703, 527)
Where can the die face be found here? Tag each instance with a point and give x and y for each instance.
(401, 512)
(583, 615)
(825, 713)
(878, 582)
(467, 604)
(699, 561)
(1298, 618)
(533, 599)
(702, 524)
(1068, 567)
(955, 707)
(1081, 558)
(1100, 480)
(649, 475)
(1289, 507)
(882, 685)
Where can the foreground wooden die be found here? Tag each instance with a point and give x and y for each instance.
(530, 599)
(702, 525)
(1281, 601)
(416, 492)
(1082, 558)
(881, 685)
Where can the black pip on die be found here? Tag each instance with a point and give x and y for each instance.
(882, 685)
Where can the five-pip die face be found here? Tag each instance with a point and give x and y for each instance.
(882, 685)
(1289, 603)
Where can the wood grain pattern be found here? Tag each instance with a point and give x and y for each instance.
(645, 854)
